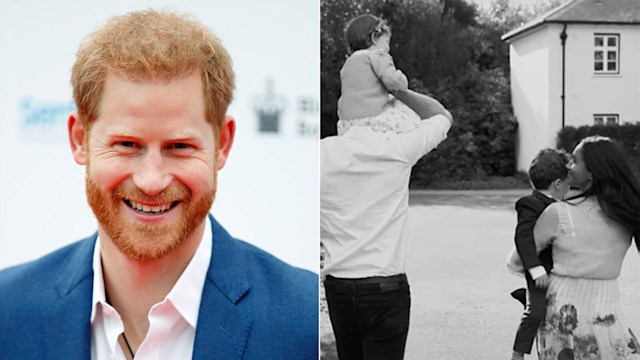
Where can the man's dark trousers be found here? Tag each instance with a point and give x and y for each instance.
(369, 316)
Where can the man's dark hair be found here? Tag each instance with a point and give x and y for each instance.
(548, 165)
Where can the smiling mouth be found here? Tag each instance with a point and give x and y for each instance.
(147, 209)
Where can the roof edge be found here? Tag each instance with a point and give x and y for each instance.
(536, 22)
(512, 34)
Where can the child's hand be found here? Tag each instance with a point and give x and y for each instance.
(543, 281)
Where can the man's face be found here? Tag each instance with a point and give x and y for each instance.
(151, 161)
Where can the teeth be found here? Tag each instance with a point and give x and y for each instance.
(149, 209)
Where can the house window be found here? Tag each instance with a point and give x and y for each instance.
(606, 119)
(606, 59)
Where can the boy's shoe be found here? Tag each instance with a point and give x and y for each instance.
(520, 295)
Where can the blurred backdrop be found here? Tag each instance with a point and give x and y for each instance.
(268, 192)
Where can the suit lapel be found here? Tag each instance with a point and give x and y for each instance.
(223, 326)
(67, 323)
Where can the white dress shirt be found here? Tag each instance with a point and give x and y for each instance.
(364, 201)
(172, 322)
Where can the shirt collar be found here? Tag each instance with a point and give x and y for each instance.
(547, 195)
(98, 281)
(187, 291)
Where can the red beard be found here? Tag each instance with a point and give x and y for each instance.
(141, 241)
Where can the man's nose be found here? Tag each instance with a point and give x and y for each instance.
(152, 175)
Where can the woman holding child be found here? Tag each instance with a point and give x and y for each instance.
(590, 234)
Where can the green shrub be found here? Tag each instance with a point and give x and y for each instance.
(481, 143)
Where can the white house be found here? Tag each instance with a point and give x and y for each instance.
(579, 64)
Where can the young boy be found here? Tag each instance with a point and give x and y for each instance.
(548, 175)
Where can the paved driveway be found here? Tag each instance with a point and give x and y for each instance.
(461, 308)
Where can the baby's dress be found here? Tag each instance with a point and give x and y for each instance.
(396, 117)
(584, 319)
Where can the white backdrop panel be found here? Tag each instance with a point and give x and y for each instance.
(268, 193)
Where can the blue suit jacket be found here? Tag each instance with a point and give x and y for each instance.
(253, 306)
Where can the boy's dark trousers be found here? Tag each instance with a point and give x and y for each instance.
(529, 209)
(369, 316)
(531, 318)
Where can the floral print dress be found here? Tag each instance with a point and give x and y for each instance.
(584, 321)
(583, 318)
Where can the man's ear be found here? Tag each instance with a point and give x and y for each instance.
(225, 140)
(76, 130)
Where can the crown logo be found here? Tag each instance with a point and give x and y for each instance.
(269, 108)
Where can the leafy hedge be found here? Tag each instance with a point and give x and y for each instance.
(481, 144)
(627, 135)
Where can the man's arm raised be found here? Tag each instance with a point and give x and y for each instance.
(423, 105)
(431, 133)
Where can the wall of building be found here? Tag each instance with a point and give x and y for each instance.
(589, 93)
(529, 62)
(536, 83)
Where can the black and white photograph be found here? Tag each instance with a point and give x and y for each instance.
(479, 169)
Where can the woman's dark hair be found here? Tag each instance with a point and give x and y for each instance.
(613, 182)
(361, 30)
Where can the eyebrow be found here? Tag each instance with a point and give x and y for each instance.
(183, 134)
